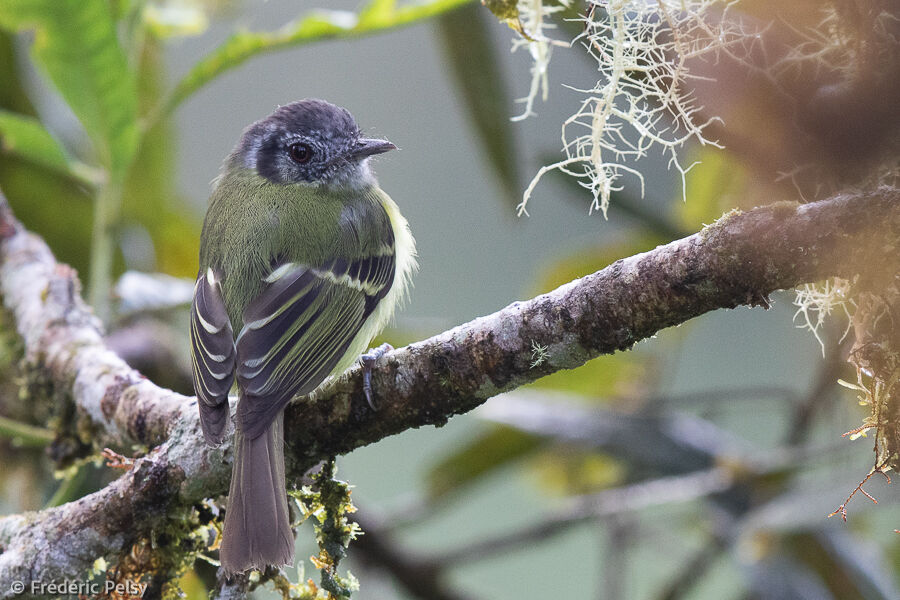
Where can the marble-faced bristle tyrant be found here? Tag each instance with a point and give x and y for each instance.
(303, 260)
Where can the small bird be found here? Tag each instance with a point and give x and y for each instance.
(303, 259)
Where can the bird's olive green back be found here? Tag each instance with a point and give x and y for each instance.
(253, 225)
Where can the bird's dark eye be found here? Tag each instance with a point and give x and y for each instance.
(300, 153)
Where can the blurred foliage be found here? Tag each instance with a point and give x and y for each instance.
(24, 136)
(469, 49)
(12, 96)
(105, 61)
(489, 451)
(40, 196)
(715, 183)
(603, 379)
(374, 16)
(192, 587)
(99, 184)
(76, 45)
(567, 470)
(22, 435)
(152, 205)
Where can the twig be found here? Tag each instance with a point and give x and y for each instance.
(682, 442)
(692, 572)
(23, 434)
(612, 502)
(114, 460)
(69, 487)
(631, 498)
(822, 388)
(107, 205)
(842, 509)
(421, 578)
(617, 550)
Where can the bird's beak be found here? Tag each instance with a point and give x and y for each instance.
(368, 147)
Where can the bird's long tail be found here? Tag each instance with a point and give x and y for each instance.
(257, 523)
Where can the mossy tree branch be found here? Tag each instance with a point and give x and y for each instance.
(738, 260)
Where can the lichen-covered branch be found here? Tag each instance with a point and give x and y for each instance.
(63, 342)
(738, 260)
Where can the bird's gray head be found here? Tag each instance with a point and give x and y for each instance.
(309, 141)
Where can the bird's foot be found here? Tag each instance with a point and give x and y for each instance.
(368, 362)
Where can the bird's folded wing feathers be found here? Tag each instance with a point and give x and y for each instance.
(212, 355)
(300, 326)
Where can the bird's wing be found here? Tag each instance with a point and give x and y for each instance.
(300, 326)
(212, 355)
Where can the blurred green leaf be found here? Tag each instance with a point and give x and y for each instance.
(12, 94)
(43, 200)
(468, 48)
(70, 488)
(583, 262)
(50, 205)
(711, 185)
(75, 43)
(377, 15)
(377, 12)
(605, 377)
(175, 19)
(191, 586)
(494, 449)
(571, 470)
(150, 199)
(23, 434)
(27, 138)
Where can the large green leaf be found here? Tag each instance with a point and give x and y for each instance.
(375, 16)
(76, 45)
(472, 57)
(26, 137)
(713, 184)
(43, 199)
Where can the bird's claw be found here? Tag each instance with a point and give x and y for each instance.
(368, 362)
